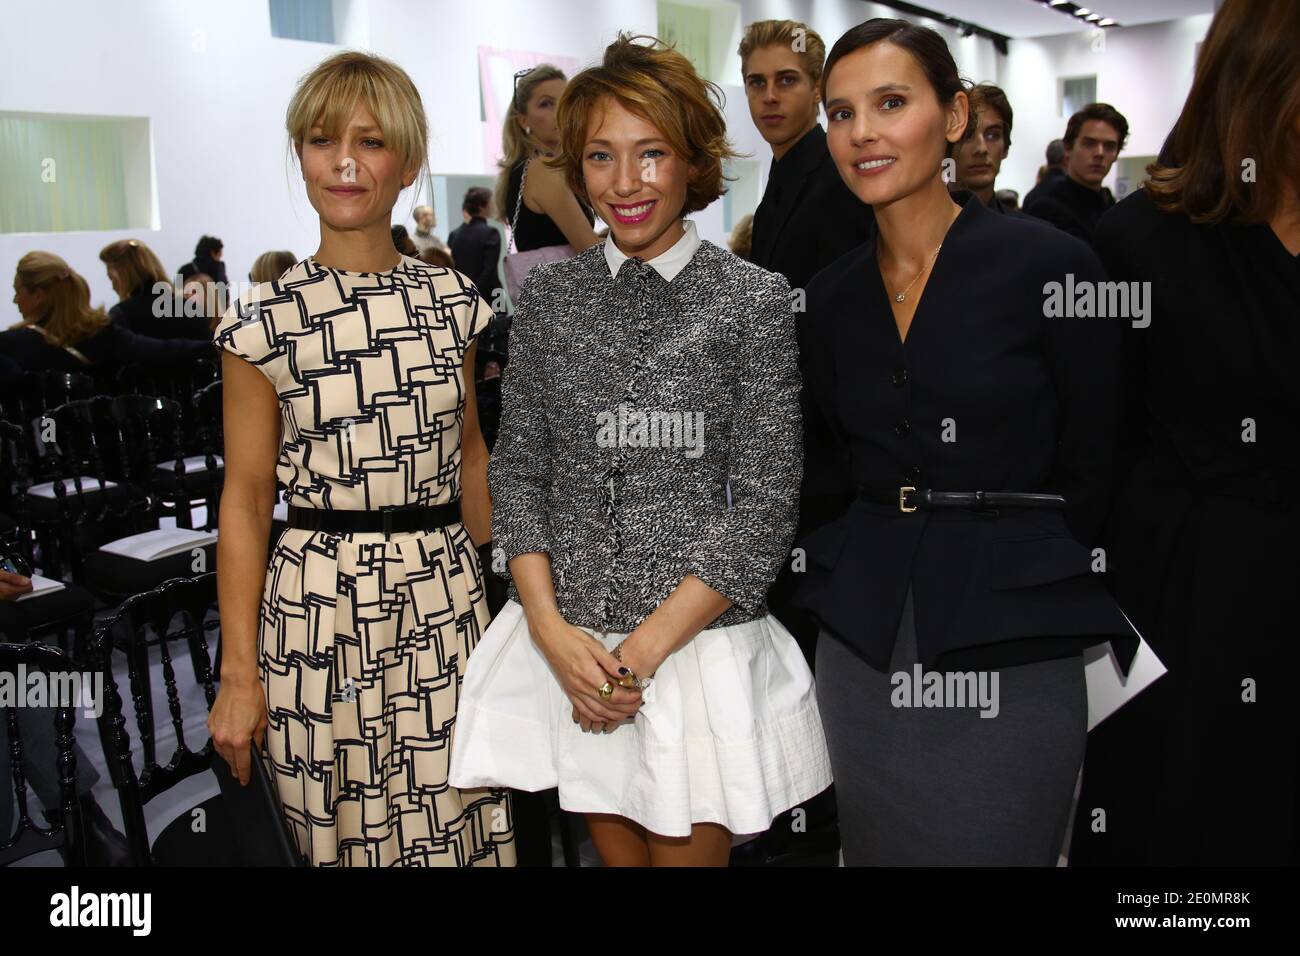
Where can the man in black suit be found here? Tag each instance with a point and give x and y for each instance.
(806, 220)
(1093, 140)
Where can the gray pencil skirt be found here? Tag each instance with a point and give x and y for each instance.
(941, 785)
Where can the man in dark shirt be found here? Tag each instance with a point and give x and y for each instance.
(807, 218)
(1093, 140)
(979, 157)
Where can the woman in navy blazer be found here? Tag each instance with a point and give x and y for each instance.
(950, 668)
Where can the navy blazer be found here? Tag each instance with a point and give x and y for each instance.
(987, 394)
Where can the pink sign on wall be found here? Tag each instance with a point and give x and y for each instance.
(496, 78)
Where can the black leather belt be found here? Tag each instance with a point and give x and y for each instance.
(910, 499)
(387, 520)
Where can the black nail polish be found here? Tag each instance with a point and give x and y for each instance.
(622, 672)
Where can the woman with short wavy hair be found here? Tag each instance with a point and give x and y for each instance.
(645, 487)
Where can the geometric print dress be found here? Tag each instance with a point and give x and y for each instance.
(362, 639)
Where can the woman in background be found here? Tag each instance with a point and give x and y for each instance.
(549, 213)
(1201, 769)
(148, 305)
(271, 265)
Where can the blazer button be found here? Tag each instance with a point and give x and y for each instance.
(903, 427)
(899, 378)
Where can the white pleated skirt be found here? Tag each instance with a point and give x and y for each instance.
(728, 731)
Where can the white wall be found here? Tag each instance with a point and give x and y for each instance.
(215, 84)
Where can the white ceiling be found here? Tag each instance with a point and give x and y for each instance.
(1029, 18)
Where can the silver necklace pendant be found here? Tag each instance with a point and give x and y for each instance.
(899, 297)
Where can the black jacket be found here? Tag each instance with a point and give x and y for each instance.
(1202, 549)
(1052, 176)
(109, 348)
(1070, 206)
(808, 218)
(987, 394)
(476, 249)
(136, 314)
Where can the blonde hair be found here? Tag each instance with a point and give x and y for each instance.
(269, 266)
(790, 34)
(659, 84)
(516, 145)
(68, 316)
(134, 263)
(328, 95)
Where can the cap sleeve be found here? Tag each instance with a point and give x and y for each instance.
(247, 331)
(480, 314)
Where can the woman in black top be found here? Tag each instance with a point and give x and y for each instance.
(550, 214)
(932, 355)
(149, 303)
(61, 332)
(1202, 768)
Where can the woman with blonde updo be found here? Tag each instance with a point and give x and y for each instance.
(549, 213)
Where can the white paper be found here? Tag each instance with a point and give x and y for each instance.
(88, 484)
(1108, 688)
(162, 543)
(42, 585)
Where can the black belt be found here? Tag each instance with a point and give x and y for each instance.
(910, 499)
(387, 520)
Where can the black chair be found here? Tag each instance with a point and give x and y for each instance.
(29, 395)
(212, 442)
(174, 616)
(67, 831)
(57, 615)
(75, 505)
(177, 382)
(132, 441)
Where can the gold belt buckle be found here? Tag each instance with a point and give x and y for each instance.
(902, 492)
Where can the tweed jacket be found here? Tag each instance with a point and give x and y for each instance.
(649, 430)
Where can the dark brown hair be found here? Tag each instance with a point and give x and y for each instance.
(1096, 111)
(659, 84)
(994, 97)
(1242, 106)
(927, 48)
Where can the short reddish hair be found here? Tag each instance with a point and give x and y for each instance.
(659, 84)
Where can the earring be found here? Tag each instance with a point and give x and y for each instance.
(528, 131)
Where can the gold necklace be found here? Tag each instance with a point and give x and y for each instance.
(899, 297)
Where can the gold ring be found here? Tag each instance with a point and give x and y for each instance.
(606, 690)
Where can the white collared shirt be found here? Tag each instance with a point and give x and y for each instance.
(667, 264)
